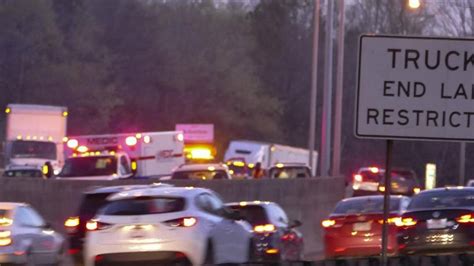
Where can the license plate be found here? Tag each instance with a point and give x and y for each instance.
(362, 226)
(437, 223)
(369, 186)
(137, 233)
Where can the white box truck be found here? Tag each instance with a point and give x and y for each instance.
(34, 135)
(268, 154)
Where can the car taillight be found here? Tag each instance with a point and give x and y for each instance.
(131, 141)
(182, 222)
(391, 220)
(72, 143)
(464, 219)
(405, 222)
(328, 223)
(95, 225)
(71, 224)
(5, 238)
(358, 178)
(264, 228)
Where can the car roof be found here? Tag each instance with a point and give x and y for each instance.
(444, 189)
(251, 203)
(185, 192)
(200, 167)
(11, 205)
(114, 189)
(372, 197)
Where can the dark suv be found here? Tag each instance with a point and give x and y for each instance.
(91, 202)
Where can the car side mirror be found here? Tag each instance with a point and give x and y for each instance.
(47, 225)
(233, 214)
(295, 223)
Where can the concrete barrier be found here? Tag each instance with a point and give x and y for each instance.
(308, 200)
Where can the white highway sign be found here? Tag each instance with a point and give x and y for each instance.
(415, 88)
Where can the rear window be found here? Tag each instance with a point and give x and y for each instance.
(199, 175)
(289, 172)
(144, 206)
(367, 205)
(254, 215)
(23, 173)
(368, 176)
(92, 203)
(443, 199)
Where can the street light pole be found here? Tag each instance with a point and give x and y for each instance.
(336, 157)
(327, 94)
(314, 89)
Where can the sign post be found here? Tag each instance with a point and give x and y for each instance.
(413, 88)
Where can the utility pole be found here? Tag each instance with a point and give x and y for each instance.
(314, 89)
(462, 164)
(337, 149)
(327, 94)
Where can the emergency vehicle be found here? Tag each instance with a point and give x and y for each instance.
(111, 156)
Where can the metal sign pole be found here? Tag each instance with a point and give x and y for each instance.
(386, 201)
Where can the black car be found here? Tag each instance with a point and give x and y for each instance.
(91, 202)
(439, 222)
(275, 237)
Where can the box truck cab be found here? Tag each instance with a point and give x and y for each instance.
(245, 153)
(149, 154)
(34, 135)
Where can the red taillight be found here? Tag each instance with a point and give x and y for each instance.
(131, 141)
(72, 143)
(71, 224)
(405, 222)
(95, 225)
(328, 223)
(358, 178)
(182, 222)
(391, 220)
(464, 219)
(264, 228)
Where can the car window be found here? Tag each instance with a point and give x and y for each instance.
(443, 199)
(253, 214)
(210, 204)
(404, 204)
(365, 205)
(200, 175)
(91, 203)
(289, 172)
(144, 206)
(28, 217)
(124, 166)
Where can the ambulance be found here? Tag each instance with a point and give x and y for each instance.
(118, 156)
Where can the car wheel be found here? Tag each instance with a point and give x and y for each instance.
(209, 257)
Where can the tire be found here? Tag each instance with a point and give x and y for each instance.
(209, 257)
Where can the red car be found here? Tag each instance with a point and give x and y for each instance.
(354, 228)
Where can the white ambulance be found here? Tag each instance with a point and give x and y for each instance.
(115, 156)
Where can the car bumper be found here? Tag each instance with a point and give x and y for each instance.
(336, 247)
(191, 249)
(10, 255)
(437, 242)
(132, 258)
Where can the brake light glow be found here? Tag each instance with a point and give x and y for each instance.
(4, 221)
(392, 220)
(8, 110)
(416, 190)
(464, 219)
(131, 141)
(405, 222)
(5, 234)
(72, 222)
(238, 163)
(92, 225)
(5, 241)
(182, 222)
(374, 170)
(328, 223)
(382, 188)
(358, 178)
(72, 143)
(264, 228)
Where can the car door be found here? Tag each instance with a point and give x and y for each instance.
(41, 241)
(230, 238)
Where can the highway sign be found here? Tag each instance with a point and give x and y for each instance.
(415, 88)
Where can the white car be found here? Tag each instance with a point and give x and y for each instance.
(470, 183)
(167, 224)
(26, 239)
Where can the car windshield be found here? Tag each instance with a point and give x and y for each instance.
(33, 149)
(253, 214)
(144, 206)
(89, 166)
(289, 172)
(200, 175)
(365, 205)
(23, 173)
(92, 203)
(443, 199)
